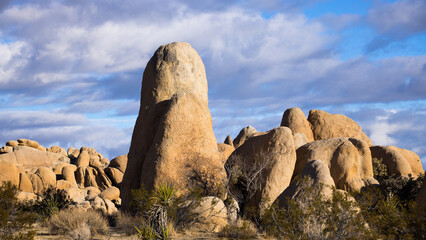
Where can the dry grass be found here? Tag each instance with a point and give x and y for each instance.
(68, 221)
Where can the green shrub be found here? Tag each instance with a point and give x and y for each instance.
(52, 201)
(15, 223)
(311, 215)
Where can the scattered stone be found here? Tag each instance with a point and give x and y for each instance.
(110, 206)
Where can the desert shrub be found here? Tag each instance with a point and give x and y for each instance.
(69, 220)
(50, 203)
(406, 189)
(380, 170)
(239, 231)
(15, 223)
(388, 215)
(311, 215)
(127, 223)
(249, 178)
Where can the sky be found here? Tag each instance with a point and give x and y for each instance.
(71, 70)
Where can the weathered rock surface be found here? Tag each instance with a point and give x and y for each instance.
(29, 157)
(6, 149)
(26, 197)
(111, 193)
(299, 140)
(9, 172)
(12, 143)
(348, 159)
(295, 119)
(68, 173)
(228, 140)
(174, 126)
(211, 214)
(399, 161)
(319, 173)
(63, 184)
(28, 143)
(119, 162)
(244, 134)
(226, 151)
(25, 184)
(273, 152)
(326, 125)
(115, 175)
(75, 195)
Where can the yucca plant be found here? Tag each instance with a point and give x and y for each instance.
(163, 197)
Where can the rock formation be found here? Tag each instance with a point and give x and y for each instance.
(273, 156)
(295, 119)
(244, 134)
(319, 173)
(349, 161)
(173, 132)
(34, 169)
(326, 125)
(399, 161)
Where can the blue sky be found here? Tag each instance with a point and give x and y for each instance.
(70, 70)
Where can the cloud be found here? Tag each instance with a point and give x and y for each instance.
(65, 130)
(86, 60)
(396, 21)
(401, 18)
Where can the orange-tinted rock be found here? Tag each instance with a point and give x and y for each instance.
(326, 125)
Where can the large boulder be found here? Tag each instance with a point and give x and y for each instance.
(349, 161)
(228, 140)
(295, 119)
(173, 132)
(244, 134)
(115, 175)
(9, 172)
(326, 125)
(399, 161)
(266, 163)
(29, 157)
(47, 176)
(111, 193)
(119, 162)
(318, 173)
(28, 143)
(25, 184)
(211, 214)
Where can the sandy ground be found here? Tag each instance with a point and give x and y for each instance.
(43, 233)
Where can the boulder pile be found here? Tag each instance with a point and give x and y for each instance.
(173, 139)
(83, 175)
